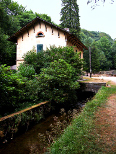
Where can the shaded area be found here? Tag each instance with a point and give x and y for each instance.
(29, 141)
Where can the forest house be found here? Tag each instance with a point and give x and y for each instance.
(42, 34)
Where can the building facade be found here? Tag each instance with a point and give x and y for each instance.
(40, 35)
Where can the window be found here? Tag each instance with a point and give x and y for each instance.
(39, 47)
(40, 34)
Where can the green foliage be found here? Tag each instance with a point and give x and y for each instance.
(57, 80)
(105, 46)
(7, 50)
(10, 89)
(45, 17)
(43, 59)
(16, 91)
(94, 35)
(58, 70)
(105, 49)
(113, 55)
(95, 58)
(95, 62)
(26, 70)
(38, 60)
(70, 16)
(25, 17)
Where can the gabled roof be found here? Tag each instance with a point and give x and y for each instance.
(70, 36)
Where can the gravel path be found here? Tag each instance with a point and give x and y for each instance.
(106, 78)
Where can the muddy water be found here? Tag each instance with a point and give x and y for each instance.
(22, 144)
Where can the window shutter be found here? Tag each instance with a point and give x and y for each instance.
(39, 47)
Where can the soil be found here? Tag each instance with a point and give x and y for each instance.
(105, 122)
(106, 126)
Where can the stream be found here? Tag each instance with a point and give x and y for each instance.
(28, 142)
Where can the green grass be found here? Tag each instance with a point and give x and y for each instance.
(80, 136)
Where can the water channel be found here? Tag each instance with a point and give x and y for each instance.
(25, 143)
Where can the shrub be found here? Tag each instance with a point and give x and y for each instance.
(58, 80)
(36, 60)
(26, 70)
(17, 92)
(10, 89)
(43, 59)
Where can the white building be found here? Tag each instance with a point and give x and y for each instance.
(41, 34)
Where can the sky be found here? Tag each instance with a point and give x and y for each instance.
(102, 18)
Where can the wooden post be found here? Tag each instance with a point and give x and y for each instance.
(90, 61)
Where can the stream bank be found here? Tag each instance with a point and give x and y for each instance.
(24, 141)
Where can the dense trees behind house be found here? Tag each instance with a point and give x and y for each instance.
(103, 49)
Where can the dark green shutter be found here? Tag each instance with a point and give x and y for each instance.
(39, 47)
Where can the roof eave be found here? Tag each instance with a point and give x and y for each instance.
(13, 38)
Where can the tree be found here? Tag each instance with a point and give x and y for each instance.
(70, 16)
(102, 60)
(88, 42)
(105, 46)
(25, 17)
(95, 64)
(95, 58)
(7, 50)
(113, 55)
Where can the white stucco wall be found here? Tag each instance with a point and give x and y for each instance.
(76, 49)
(29, 40)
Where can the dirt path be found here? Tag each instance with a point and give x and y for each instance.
(113, 79)
(106, 126)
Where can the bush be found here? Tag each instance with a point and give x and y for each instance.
(17, 92)
(57, 81)
(43, 59)
(10, 89)
(26, 70)
(36, 60)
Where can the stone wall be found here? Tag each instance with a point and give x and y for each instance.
(19, 122)
(92, 86)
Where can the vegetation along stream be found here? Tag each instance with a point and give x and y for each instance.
(40, 136)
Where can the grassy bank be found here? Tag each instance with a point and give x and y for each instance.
(81, 137)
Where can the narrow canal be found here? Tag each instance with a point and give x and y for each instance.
(30, 141)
